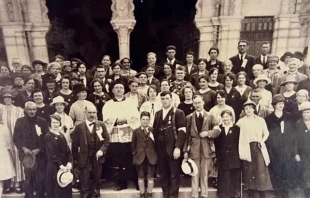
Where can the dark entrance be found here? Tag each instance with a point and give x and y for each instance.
(257, 30)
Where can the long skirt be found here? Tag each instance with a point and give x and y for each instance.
(118, 162)
(229, 183)
(255, 174)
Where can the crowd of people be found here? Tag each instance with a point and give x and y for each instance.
(241, 124)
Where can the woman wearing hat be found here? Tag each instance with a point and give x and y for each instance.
(282, 146)
(59, 158)
(6, 147)
(260, 82)
(77, 110)
(284, 61)
(9, 114)
(289, 94)
(66, 92)
(49, 87)
(253, 152)
(66, 122)
(229, 164)
(303, 138)
(273, 73)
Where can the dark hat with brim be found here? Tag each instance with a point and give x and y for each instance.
(249, 103)
(17, 75)
(75, 60)
(7, 93)
(78, 87)
(29, 161)
(289, 81)
(277, 98)
(285, 55)
(299, 55)
(48, 77)
(35, 62)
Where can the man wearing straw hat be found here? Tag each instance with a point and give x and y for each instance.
(90, 141)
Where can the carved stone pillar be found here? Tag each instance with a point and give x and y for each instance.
(304, 18)
(203, 20)
(230, 27)
(123, 22)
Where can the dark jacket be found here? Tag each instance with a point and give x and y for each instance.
(236, 62)
(173, 129)
(234, 100)
(194, 79)
(143, 146)
(258, 60)
(218, 65)
(174, 65)
(226, 147)
(79, 142)
(188, 74)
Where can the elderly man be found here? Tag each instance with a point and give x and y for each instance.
(90, 141)
(28, 137)
(199, 145)
(293, 73)
(273, 73)
(16, 65)
(169, 134)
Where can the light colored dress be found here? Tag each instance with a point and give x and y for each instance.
(9, 115)
(68, 123)
(152, 108)
(7, 170)
(216, 111)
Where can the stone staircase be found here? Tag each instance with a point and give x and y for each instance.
(185, 191)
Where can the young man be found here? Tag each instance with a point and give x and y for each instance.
(137, 97)
(143, 87)
(263, 58)
(190, 67)
(171, 52)
(170, 134)
(151, 80)
(84, 75)
(101, 75)
(144, 154)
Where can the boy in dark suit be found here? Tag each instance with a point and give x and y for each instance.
(144, 154)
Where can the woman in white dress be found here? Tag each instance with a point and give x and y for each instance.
(7, 170)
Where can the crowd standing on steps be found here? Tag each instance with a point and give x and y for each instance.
(241, 125)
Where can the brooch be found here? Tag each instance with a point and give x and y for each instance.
(169, 120)
(306, 131)
(42, 111)
(68, 100)
(97, 101)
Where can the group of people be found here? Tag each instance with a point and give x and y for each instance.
(244, 122)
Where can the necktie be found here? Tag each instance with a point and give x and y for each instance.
(264, 60)
(145, 133)
(200, 117)
(241, 58)
(152, 111)
(92, 124)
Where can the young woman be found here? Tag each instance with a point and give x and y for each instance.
(66, 92)
(229, 163)
(241, 87)
(168, 73)
(26, 70)
(253, 152)
(127, 72)
(38, 67)
(98, 97)
(194, 79)
(58, 158)
(282, 147)
(117, 71)
(187, 105)
(4, 70)
(289, 94)
(213, 77)
(207, 93)
(260, 82)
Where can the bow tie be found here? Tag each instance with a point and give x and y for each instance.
(91, 124)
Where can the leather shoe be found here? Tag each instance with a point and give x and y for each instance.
(18, 190)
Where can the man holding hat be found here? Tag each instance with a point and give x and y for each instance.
(171, 51)
(273, 73)
(199, 145)
(90, 141)
(28, 137)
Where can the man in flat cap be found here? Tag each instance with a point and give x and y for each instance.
(171, 51)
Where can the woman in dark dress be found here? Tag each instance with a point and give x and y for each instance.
(282, 148)
(167, 70)
(207, 94)
(229, 164)
(25, 95)
(303, 138)
(241, 87)
(291, 104)
(66, 93)
(187, 106)
(59, 158)
(98, 97)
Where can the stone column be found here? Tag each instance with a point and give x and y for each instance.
(230, 27)
(123, 22)
(203, 21)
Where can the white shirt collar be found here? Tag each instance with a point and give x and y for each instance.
(243, 56)
(171, 61)
(165, 111)
(197, 113)
(88, 122)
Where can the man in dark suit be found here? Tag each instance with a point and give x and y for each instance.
(90, 141)
(84, 74)
(101, 75)
(28, 137)
(144, 154)
(171, 52)
(242, 61)
(214, 62)
(170, 134)
(262, 59)
(190, 67)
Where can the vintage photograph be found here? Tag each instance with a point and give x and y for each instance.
(154, 99)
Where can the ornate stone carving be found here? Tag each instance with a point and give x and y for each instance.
(10, 10)
(292, 6)
(198, 9)
(304, 14)
(231, 7)
(24, 6)
(44, 10)
(122, 9)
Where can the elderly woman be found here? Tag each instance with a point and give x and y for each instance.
(59, 158)
(303, 138)
(152, 105)
(66, 126)
(120, 116)
(260, 82)
(282, 147)
(25, 95)
(273, 73)
(253, 152)
(289, 94)
(202, 71)
(213, 80)
(241, 87)
(26, 70)
(227, 67)
(207, 94)
(55, 69)
(187, 105)
(302, 96)
(9, 114)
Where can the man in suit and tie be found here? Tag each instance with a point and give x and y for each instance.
(190, 67)
(242, 61)
(263, 58)
(90, 141)
(214, 62)
(170, 133)
(171, 51)
(100, 74)
(199, 145)
(85, 75)
(144, 154)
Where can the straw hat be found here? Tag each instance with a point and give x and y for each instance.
(59, 99)
(29, 161)
(261, 77)
(64, 178)
(189, 167)
(304, 106)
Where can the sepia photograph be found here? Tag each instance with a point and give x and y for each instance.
(154, 99)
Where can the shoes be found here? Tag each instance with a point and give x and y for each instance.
(75, 190)
(148, 195)
(18, 190)
(142, 195)
(7, 190)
